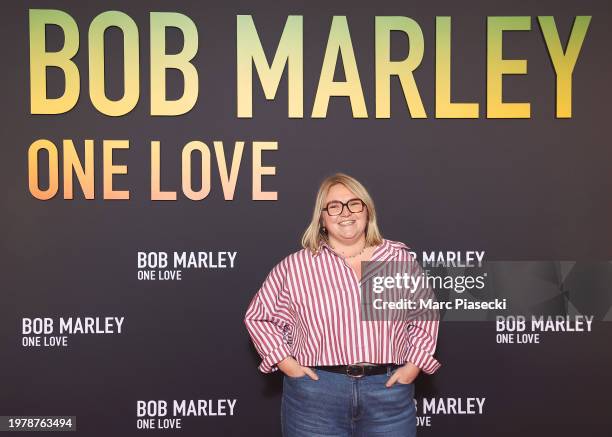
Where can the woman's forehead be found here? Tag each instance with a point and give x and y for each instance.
(339, 192)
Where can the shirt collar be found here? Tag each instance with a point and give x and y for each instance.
(381, 251)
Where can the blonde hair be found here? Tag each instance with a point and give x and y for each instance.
(314, 236)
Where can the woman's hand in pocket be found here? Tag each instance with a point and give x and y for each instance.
(290, 367)
(403, 375)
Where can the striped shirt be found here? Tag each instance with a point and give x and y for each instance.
(308, 307)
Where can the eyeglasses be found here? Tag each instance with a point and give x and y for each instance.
(336, 207)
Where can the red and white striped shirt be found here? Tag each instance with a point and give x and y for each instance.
(309, 308)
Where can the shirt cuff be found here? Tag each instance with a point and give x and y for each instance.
(423, 360)
(268, 364)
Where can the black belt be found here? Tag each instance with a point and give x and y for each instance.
(358, 370)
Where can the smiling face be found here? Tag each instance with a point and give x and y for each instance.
(348, 227)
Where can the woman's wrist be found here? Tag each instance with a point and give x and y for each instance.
(286, 363)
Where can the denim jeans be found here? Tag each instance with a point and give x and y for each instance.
(339, 405)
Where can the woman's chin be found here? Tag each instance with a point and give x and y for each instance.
(348, 234)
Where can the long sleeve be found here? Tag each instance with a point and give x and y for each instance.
(423, 328)
(422, 337)
(270, 321)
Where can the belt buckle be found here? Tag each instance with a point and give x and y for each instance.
(355, 366)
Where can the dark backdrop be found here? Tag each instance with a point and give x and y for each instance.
(534, 189)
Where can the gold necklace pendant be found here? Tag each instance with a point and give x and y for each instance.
(352, 256)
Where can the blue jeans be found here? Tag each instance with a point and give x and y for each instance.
(339, 405)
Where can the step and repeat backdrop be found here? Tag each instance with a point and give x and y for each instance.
(160, 158)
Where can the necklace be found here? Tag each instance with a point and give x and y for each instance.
(351, 256)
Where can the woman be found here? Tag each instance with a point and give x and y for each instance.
(343, 376)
